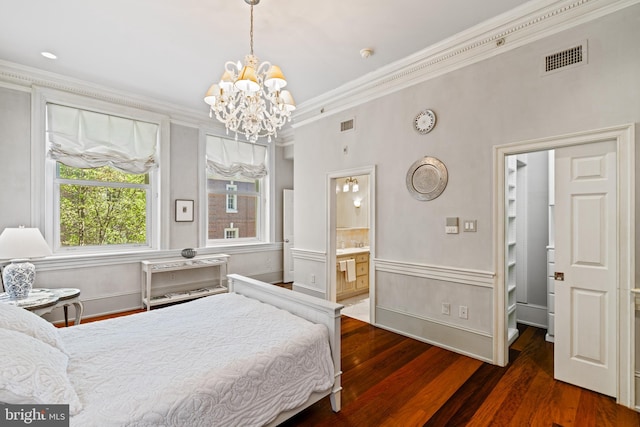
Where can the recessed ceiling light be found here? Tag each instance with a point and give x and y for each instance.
(48, 55)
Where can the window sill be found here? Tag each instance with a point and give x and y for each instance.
(65, 262)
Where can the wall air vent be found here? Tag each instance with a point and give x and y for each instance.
(347, 125)
(571, 57)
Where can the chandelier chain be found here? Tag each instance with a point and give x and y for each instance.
(251, 31)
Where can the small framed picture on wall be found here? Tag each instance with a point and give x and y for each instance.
(184, 210)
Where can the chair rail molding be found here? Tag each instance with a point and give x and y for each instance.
(465, 276)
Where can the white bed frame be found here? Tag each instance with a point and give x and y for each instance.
(311, 308)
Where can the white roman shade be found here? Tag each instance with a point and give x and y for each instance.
(86, 139)
(231, 158)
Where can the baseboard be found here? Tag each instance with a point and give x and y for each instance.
(450, 337)
(305, 289)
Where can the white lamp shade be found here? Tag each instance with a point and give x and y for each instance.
(212, 94)
(23, 243)
(289, 103)
(226, 81)
(247, 80)
(275, 79)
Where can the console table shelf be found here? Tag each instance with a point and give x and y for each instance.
(165, 281)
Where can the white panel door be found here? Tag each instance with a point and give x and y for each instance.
(287, 228)
(586, 253)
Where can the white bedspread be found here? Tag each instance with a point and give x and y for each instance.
(224, 360)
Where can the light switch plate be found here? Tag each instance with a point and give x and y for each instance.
(470, 225)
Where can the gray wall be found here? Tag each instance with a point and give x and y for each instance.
(496, 101)
(115, 286)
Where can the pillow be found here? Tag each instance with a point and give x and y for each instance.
(34, 372)
(21, 320)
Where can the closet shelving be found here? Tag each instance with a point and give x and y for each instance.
(510, 259)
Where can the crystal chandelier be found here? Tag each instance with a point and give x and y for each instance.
(249, 99)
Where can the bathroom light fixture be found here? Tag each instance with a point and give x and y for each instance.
(249, 99)
(351, 183)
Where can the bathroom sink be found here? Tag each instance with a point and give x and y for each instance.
(351, 251)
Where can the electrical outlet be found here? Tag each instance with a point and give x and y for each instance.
(462, 312)
(446, 308)
(312, 279)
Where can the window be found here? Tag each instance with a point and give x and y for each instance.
(231, 233)
(236, 197)
(100, 206)
(101, 173)
(232, 199)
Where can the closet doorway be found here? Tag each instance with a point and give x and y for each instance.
(592, 262)
(529, 241)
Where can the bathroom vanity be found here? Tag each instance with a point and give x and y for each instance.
(360, 284)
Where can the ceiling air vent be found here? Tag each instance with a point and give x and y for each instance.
(347, 125)
(574, 56)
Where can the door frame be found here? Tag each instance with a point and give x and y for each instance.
(624, 136)
(332, 177)
(287, 246)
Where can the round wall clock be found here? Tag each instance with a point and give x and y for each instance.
(424, 121)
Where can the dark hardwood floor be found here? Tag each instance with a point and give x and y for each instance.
(391, 380)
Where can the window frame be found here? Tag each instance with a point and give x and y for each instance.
(58, 182)
(266, 221)
(44, 211)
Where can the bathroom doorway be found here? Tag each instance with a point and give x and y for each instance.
(350, 244)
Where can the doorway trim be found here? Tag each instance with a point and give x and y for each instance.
(332, 177)
(624, 136)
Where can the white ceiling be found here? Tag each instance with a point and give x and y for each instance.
(172, 50)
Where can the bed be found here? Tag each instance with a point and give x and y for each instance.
(254, 356)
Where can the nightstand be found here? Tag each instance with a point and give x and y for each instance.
(43, 300)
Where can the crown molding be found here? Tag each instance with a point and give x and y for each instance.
(525, 24)
(24, 78)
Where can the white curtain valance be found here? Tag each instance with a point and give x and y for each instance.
(86, 139)
(231, 158)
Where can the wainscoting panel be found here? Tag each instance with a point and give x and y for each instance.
(310, 272)
(470, 343)
(413, 299)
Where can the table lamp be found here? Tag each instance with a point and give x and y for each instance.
(19, 245)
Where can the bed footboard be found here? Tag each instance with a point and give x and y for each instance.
(314, 309)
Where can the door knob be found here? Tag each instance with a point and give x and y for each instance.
(286, 240)
(559, 276)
